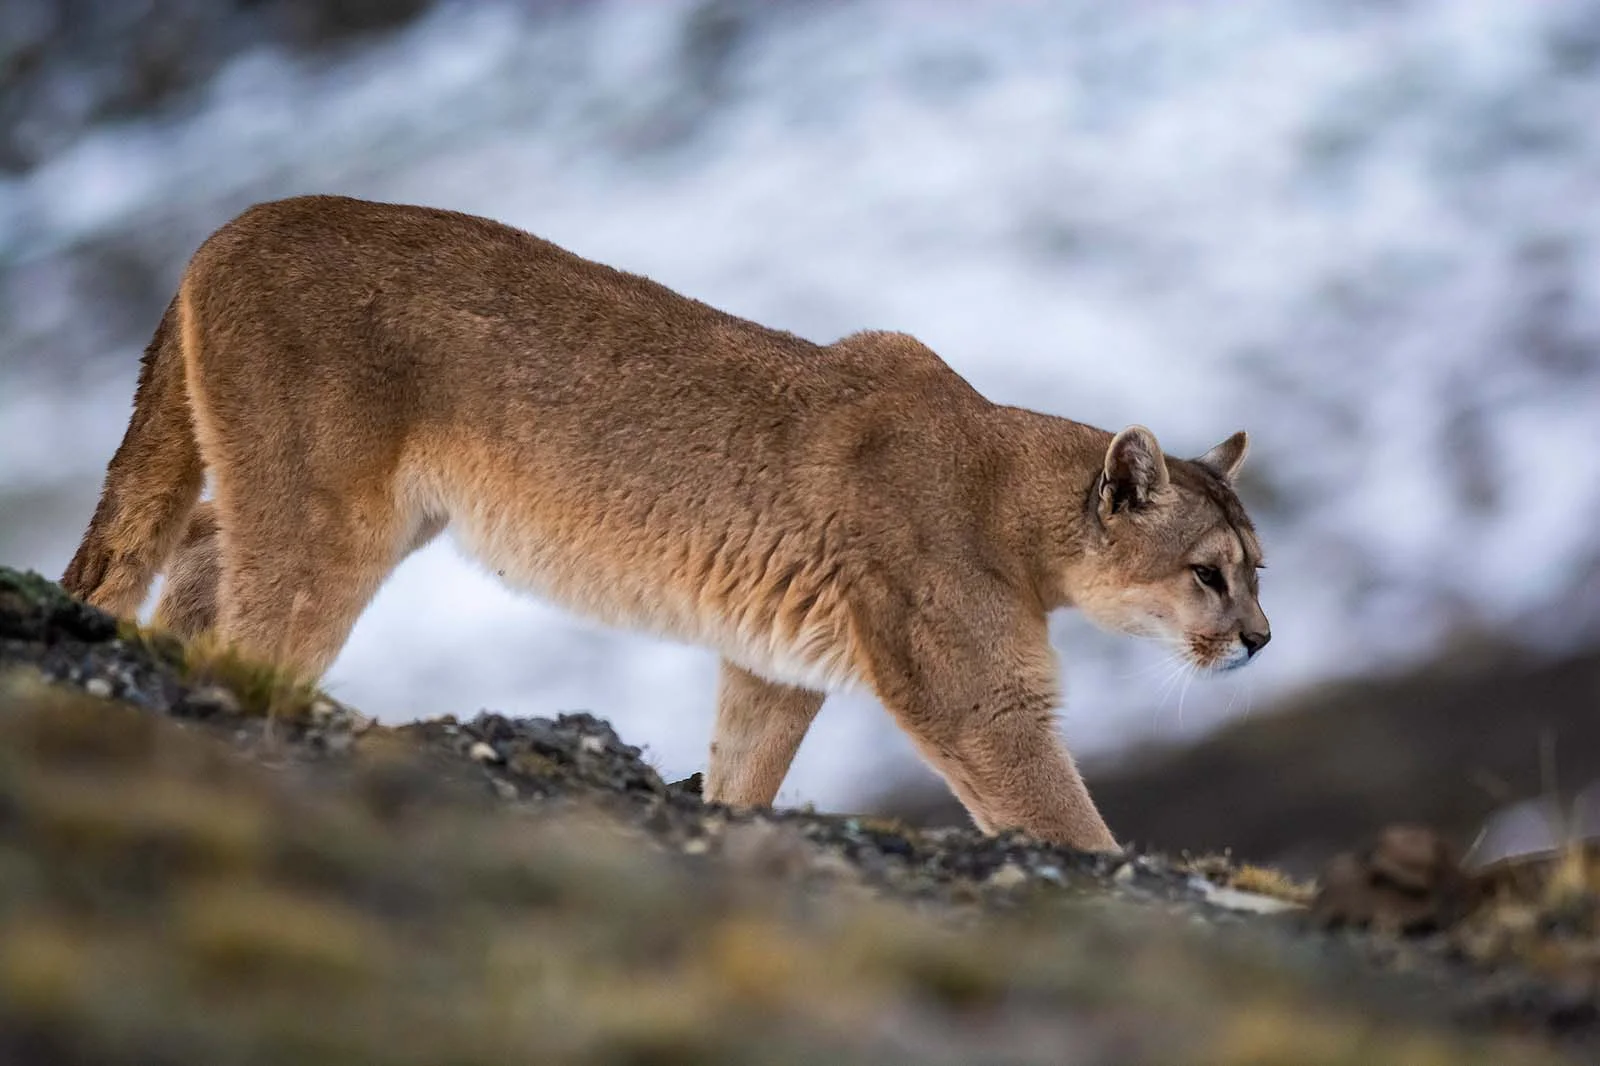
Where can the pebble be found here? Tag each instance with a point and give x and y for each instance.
(98, 686)
(212, 699)
(481, 752)
(1008, 876)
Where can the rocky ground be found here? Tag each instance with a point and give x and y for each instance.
(1449, 744)
(202, 863)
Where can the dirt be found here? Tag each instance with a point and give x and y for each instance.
(201, 863)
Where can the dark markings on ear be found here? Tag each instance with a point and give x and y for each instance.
(1135, 470)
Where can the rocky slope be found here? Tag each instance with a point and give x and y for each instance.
(200, 862)
(1448, 744)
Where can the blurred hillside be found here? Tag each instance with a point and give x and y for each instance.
(1369, 233)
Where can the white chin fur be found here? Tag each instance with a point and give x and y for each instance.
(1236, 658)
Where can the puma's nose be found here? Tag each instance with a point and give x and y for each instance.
(1254, 642)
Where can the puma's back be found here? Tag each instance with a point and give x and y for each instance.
(354, 378)
(591, 435)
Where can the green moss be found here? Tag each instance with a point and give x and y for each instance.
(34, 588)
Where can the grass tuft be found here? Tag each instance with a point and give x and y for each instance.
(263, 689)
(1266, 881)
(1246, 877)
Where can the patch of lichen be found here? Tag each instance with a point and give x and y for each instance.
(165, 897)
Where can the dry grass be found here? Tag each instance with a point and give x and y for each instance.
(262, 689)
(1266, 881)
(1541, 913)
(1220, 869)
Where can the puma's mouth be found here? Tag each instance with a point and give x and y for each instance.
(1236, 658)
(1218, 655)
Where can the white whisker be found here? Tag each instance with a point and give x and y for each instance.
(1148, 668)
(1183, 692)
(1233, 697)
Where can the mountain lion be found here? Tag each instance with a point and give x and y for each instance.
(355, 377)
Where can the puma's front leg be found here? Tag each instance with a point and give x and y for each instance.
(979, 699)
(760, 724)
(1020, 775)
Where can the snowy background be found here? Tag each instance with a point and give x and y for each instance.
(1367, 232)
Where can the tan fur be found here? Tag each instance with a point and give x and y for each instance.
(355, 377)
(188, 604)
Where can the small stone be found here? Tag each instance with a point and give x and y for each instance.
(693, 785)
(208, 700)
(592, 745)
(481, 752)
(504, 789)
(1124, 875)
(696, 846)
(493, 727)
(1008, 876)
(98, 686)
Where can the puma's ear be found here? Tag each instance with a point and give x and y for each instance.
(1226, 458)
(1135, 469)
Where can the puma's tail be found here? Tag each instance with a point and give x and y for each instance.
(151, 485)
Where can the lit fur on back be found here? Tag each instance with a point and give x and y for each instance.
(354, 378)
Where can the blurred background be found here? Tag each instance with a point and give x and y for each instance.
(1367, 231)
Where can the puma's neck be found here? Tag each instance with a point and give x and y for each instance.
(1053, 465)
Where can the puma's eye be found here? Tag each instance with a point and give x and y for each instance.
(1210, 577)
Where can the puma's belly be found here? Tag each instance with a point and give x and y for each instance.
(648, 582)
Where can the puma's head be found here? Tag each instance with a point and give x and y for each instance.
(1171, 552)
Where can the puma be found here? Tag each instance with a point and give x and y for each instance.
(356, 377)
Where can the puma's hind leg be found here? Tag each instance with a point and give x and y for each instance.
(294, 579)
(188, 603)
(760, 724)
